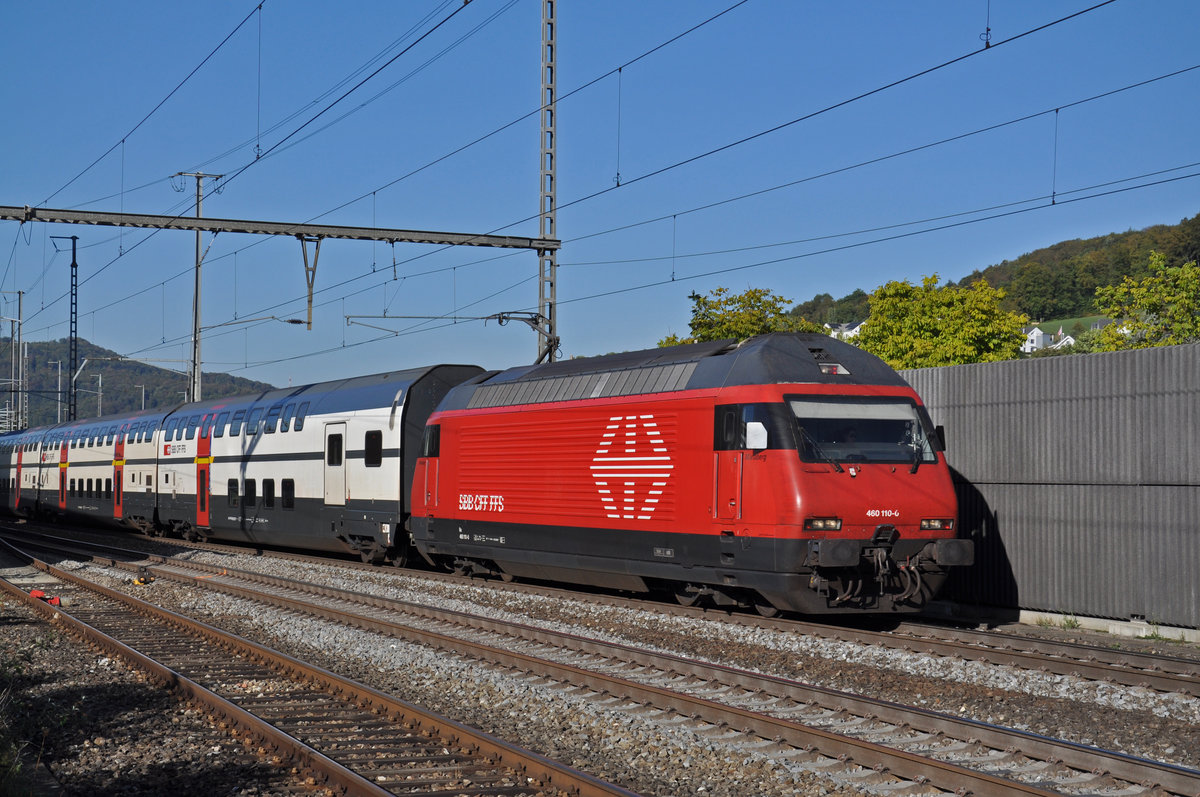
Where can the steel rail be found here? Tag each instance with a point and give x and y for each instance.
(520, 760)
(311, 762)
(1133, 769)
(878, 757)
(1125, 668)
(869, 755)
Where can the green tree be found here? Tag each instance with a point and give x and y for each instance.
(922, 326)
(1162, 309)
(722, 315)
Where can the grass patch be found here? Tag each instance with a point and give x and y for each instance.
(1156, 635)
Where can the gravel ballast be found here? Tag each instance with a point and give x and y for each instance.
(652, 754)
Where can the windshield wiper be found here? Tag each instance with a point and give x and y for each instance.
(820, 452)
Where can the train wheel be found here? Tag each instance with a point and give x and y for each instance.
(764, 608)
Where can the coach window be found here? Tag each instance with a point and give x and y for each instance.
(235, 427)
(250, 495)
(107, 488)
(168, 429)
(112, 435)
(333, 453)
(231, 490)
(268, 493)
(272, 418)
(373, 449)
(88, 494)
(72, 488)
(288, 493)
(252, 421)
(286, 420)
(300, 413)
(219, 427)
(193, 422)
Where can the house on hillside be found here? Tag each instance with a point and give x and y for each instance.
(1065, 342)
(1035, 340)
(845, 331)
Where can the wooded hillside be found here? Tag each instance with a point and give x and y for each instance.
(121, 380)
(1057, 281)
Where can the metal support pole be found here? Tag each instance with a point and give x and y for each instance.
(310, 272)
(73, 344)
(547, 258)
(18, 414)
(195, 367)
(22, 420)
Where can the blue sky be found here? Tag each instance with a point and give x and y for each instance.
(82, 76)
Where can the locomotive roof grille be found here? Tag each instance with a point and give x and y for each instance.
(648, 379)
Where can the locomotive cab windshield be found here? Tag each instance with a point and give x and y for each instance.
(883, 431)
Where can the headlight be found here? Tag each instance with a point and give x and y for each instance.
(823, 524)
(937, 524)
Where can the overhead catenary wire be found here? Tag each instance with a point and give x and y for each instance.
(311, 119)
(744, 139)
(827, 173)
(155, 109)
(860, 164)
(1007, 209)
(658, 283)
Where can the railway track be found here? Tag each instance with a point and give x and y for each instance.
(341, 734)
(1168, 674)
(869, 740)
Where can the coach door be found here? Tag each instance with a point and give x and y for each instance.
(20, 458)
(203, 466)
(118, 471)
(335, 464)
(62, 473)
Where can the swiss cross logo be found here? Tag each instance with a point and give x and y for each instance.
(631, 467)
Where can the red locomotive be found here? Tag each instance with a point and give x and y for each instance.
(786, 472)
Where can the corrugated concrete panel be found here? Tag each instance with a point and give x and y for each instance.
(1114, 418)
(1080, 479)
(1119, 552)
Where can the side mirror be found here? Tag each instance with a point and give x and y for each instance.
(756, 435)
